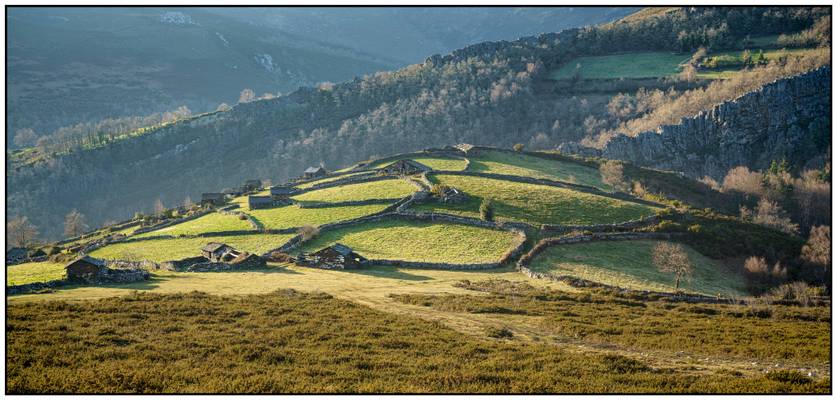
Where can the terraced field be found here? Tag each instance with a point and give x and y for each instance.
(536, 204)
(307, 185)
(213, 222)
(172, 249)
(499, 162)
(293, 216)
(628, 264)
(33, 272)
(628, 66)
(419, 241)
(386, 189)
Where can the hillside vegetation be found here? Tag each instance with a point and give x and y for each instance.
(489, 93)
(272, 344)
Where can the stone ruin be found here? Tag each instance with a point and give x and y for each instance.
(216, 257)
(452, 195)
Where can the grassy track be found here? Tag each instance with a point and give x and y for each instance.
(498, 162)
(172, 249)
(419, 241)
(628, 264)
(213, 222)
(630, 65)
(536, 204)
(386, 189)
(33, 272)
(293, 216)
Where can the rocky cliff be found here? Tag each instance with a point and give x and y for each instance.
(789, 118)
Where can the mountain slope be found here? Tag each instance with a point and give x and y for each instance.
(72, 65)
(494, 93)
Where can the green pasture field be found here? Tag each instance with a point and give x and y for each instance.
(386, 189)
(498, 162)
(628, 264)
(536, 204)
(419, 241)
(173, 249)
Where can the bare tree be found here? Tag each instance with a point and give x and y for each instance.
(223, 107)
(672, 258)
(246, 96)
(308, 232)
(159, 208)
(74, 224)
(613, 174)
(187, 202)
(21, 232)
(817, 250)
(25, 137)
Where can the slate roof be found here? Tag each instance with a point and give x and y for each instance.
(95, 261)
(342, 249)
(259, 199)
(314, 170)
(213, 247)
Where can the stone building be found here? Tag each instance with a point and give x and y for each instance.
(85, 268)
(215, 251)
(314, 172)
(215, 199)
(251, 185)
(336, 256)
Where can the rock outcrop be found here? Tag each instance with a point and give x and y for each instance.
(789, 118)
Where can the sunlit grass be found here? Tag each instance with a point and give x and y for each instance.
(536, 204)
(419, 241)
(498, 162)
(628, 264)
(20, 274)
(213, 222)
(173, 249)
(386, 189)
(293, 216)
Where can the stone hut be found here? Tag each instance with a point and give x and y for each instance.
(281, 191)
(231, 192)
(215, 251)
(404, 167)
(251, 185)
(215, 199)
(256, 202)
(336, 256)
(16, 255)
(85, 268)
(314, 172)
(451, 195)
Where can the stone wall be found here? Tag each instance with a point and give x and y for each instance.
(624, 226)
(303, 204)
(789, 118)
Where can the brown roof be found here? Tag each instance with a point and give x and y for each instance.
(87, 259)
(213, 247)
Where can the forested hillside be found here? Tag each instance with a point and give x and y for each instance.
(493, 93)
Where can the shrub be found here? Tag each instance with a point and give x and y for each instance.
(788, 376)
(622, 364)
(799, 292)
(438, 189)
(242, 217)
(696, 228)
(487, 210)
(308, 232)
(518, 147)
(499, 333)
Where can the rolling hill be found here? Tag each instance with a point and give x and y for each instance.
(439, 289)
